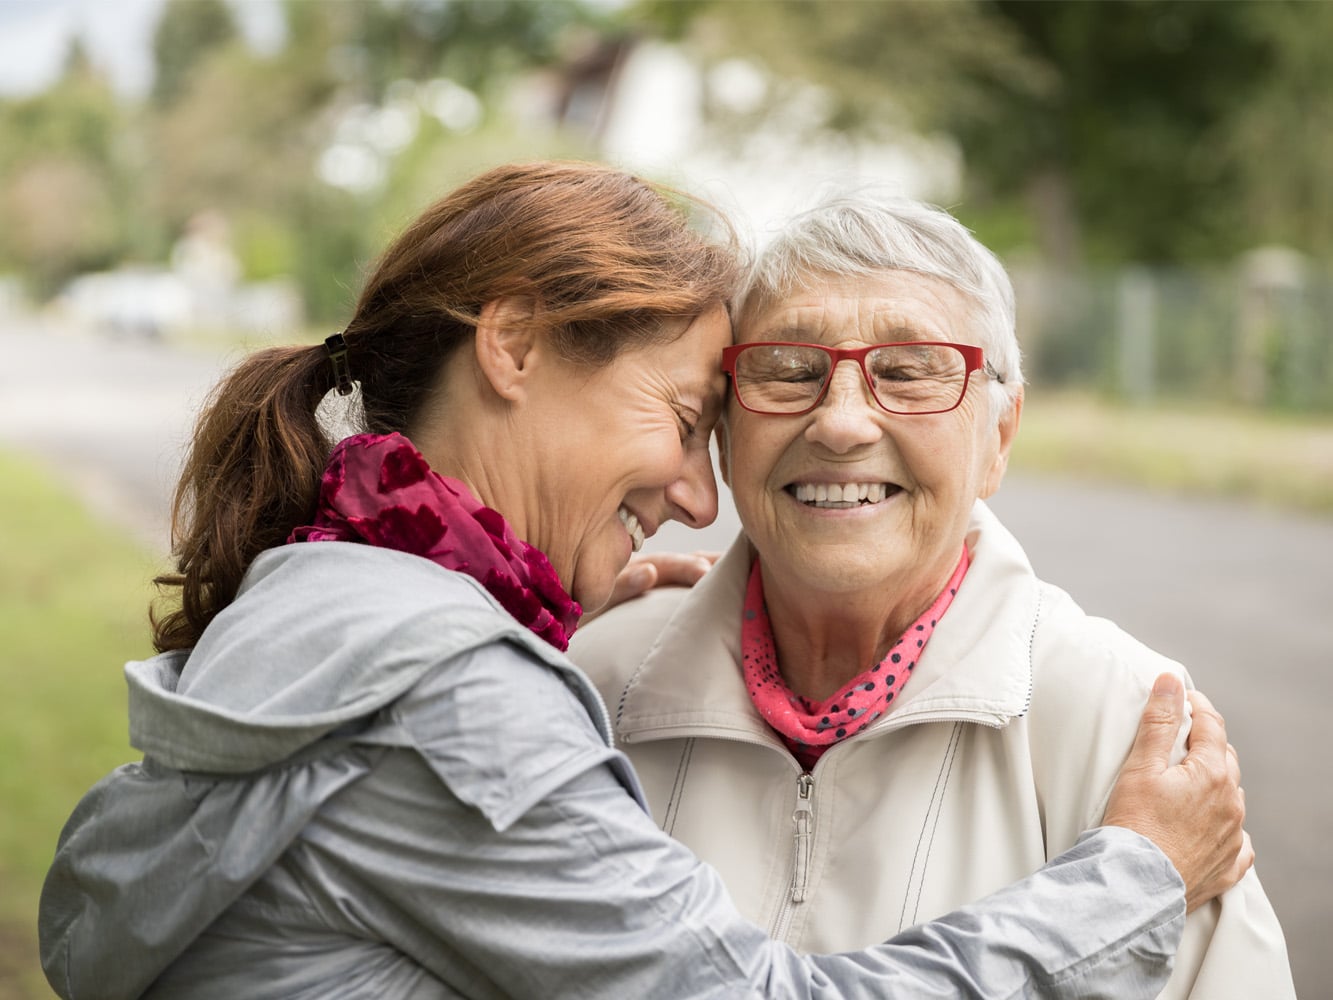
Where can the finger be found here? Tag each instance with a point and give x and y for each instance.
(1245, 861)
(708, 555)
(1203, 704)
(677, 569)
(1207, 739)
(632, 581)
(1233, 764)
(1158, 725)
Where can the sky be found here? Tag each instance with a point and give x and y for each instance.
(35, 36)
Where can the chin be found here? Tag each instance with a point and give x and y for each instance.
(592, 595)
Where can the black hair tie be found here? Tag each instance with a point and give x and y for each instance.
(342, 371)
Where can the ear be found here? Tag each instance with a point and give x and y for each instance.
(506, 344)
(1006, 430)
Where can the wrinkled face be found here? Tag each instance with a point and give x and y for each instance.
(849, 496)
(630, 453)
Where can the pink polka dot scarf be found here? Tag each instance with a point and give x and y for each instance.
(808, 728)
(379, 490)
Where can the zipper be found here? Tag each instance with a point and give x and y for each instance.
(803, 833)
(803, 818)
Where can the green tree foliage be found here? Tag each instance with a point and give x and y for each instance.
(1280, 141)
(187, 32)
(1121, 158)
(1136, 129)
(477, 43)
(63, 205)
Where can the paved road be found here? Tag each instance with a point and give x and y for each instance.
(1242, 596)
(108, 416)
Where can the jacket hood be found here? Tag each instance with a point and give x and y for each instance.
(311, 644)
(319, 639)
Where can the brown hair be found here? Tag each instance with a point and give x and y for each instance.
(611, 262)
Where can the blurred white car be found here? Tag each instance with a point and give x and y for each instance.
(129, 302)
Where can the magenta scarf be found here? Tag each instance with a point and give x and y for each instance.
(808, 728)
(379, 490)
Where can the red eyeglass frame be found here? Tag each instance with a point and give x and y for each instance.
(973, 359)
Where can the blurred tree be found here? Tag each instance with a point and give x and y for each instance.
(1120, 159)
(64, 203)
(477, 43)
(1139, 129)
(188, 31)
(1280, 140)
(398, 83)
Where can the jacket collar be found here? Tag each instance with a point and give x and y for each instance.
(976, 668)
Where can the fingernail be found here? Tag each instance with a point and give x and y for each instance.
(1165, 684)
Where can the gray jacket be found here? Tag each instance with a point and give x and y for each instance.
(367, 780)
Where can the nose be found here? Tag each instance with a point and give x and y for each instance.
(693, 495)
(848, 415)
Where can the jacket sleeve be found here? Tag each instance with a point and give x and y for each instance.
(1231, 948)
(580, 894)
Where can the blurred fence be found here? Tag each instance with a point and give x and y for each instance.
(1258, 334)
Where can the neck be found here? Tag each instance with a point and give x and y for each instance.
(825, 640)
(475, 459)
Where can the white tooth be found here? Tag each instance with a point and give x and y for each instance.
(805, 493)
(863, 491)
(821, 492)
(632, 526)
(876, 493)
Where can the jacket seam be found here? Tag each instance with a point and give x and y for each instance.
(926, 840)
(678, 787)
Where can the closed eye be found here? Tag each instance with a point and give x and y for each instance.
(689, 423)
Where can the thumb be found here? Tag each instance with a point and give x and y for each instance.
(1159, 725)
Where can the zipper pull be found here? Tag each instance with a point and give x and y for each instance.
(804, 820)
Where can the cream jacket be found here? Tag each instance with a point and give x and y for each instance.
(998, 752)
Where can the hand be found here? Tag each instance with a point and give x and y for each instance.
(1195, 810)
(656, 569)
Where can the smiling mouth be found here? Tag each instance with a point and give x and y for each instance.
(631, 524)
(842, 496)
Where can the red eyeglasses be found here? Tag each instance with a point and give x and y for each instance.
(914, 377)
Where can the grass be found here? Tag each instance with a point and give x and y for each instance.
(73, 594)
(1280, 460)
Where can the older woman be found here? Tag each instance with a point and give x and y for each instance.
(871, 710)
(370, 771)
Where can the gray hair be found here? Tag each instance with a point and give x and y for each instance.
(866, 232)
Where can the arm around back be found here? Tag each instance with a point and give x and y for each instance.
(580, 894)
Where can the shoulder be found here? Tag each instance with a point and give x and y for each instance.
(1083, 662)
(387, 606)
(1091, 680)
(502, 728)
(610, 648)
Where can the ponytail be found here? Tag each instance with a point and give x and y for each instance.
(252, 475)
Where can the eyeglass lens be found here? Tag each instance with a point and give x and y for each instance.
(905, 378)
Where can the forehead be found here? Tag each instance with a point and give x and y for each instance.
(881, 307)
(691, 363)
